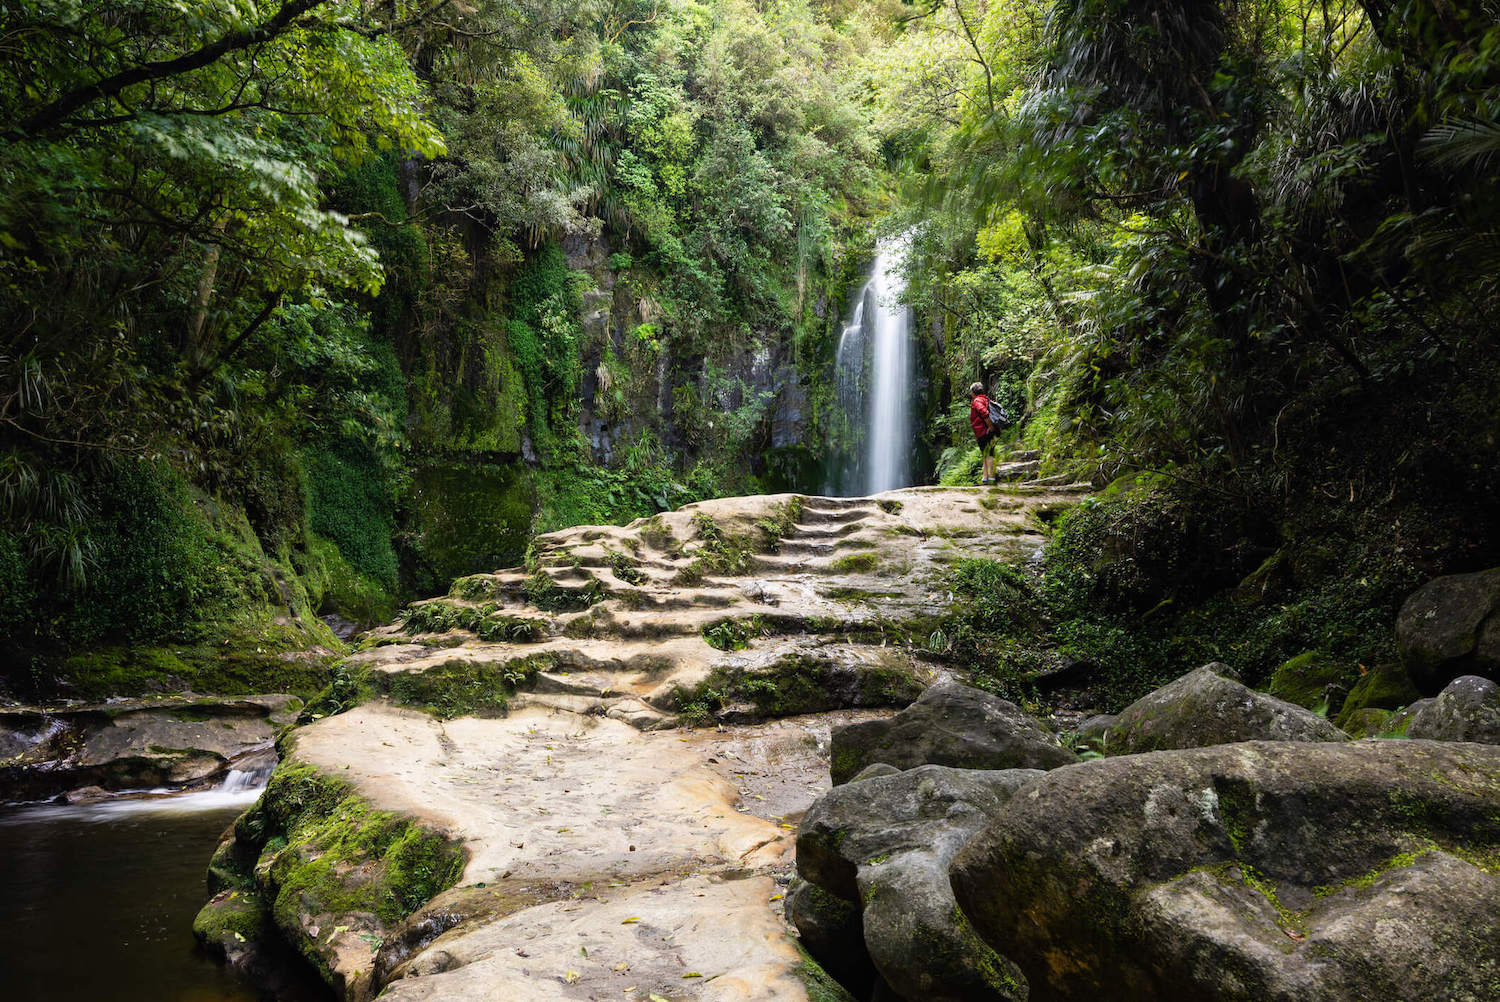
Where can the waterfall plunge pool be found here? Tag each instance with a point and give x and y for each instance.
(99, 902)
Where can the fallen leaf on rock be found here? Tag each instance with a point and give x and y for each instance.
(570, 978)
(630, 920)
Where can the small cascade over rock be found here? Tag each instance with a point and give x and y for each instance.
(875, 380)
(252, 774)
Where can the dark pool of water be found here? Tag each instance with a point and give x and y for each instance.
(97, 903)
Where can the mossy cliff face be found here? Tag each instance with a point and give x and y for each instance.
(330, 874)
(182, 591)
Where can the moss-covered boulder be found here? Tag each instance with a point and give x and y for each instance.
(1262, 870)
(1311, 680)
(1368, 722)
(330, 874)
(1451, 627)
(950, 725)
(234, 924)
(1383, 687)
(1208, 706)
(885, 843)
(1467, 710)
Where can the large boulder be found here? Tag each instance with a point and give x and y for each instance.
(1207, 706)
(1467, 710)
(1264, 870)
(887, 842)
(1450, 627)
(953, 725)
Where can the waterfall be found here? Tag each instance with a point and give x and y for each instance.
(250, 779)
(875, 380)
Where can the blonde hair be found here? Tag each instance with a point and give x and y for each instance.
(976, 389)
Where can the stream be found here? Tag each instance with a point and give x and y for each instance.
(100, 898)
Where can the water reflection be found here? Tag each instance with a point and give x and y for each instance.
(99, 901)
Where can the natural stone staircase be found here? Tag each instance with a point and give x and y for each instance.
(744, 608)
(571, 848)
(603, 856)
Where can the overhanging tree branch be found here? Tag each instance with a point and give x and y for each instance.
(55, 113)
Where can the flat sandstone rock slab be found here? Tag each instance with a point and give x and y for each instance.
(702, 939)
(545, 795)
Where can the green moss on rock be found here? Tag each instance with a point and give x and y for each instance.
(1305, 680)
(1385, 687)
(466, 519)
(234, 918)
(820, 985)
(323, 854)
(275, 658)
(855, 563)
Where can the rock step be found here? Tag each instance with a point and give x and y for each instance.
(1017, 471)
(823, 516)
(807, 547)
(626, 709)
(672, 599)
(826, 530)
(1054, 485)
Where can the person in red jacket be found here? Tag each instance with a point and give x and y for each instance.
(984, 430)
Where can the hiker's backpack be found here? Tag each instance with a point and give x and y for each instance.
(997, 416)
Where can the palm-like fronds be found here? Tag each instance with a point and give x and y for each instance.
(1463, 144)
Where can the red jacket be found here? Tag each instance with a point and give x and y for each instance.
(979, 415)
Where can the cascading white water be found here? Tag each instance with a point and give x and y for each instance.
(246, 780)
(875, 374)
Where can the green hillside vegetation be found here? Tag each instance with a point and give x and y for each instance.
(311, 307)
(339, 302)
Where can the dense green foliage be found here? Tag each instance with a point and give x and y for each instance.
(299, 264)
(313, 306)
(1248, 248)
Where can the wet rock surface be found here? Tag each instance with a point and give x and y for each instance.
(173, 742)
(1260, 870)
(1209, 706)
(952, 725)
